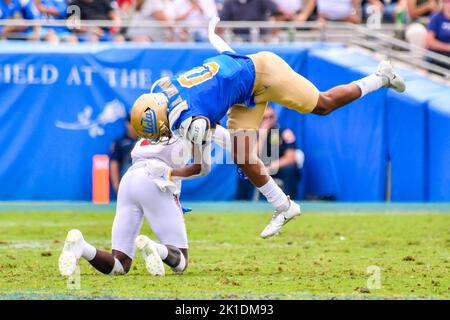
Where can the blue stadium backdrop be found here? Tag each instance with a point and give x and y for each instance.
(62, 105)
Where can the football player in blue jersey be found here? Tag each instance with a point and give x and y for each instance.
(240, 86)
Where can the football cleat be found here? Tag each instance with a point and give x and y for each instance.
(394, 81)
(71, 253)
(153, 262)
(279, 219)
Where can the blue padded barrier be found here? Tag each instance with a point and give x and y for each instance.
(346, 150)
(439, 147)
(407, 147)
(61, 105)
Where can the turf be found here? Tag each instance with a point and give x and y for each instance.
(318, 256)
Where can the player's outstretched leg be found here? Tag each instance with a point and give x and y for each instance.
(276, 81)
(339, 96)
(154, 254)
(75, 247)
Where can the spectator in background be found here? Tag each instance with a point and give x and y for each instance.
(120, 159)
(54, 10)
(420, 8)
(200, 11)
(338, 10)
(285, 170)
(248, 10)
(126, 7)
(295, 10)
(148, 10)
(99, 10)
(16, 9)
(389, 8)
(438, 35)
(416, 33)
(219, 4)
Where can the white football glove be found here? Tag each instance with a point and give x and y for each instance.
(159, 170)
(198, 131)
(162, 176)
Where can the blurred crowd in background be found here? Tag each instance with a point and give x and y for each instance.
(433, 14)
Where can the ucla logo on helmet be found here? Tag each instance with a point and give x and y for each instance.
(149, 122)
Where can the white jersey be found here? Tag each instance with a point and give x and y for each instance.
(176, 154)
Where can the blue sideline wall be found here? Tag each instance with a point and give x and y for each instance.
(60, 106)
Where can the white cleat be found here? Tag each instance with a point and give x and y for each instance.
(394, 81)
(71, 253)
(280, 219)
(153, 262)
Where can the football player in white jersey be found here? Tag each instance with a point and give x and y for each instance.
(150, 188)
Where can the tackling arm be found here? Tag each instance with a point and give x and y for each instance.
(202, 162)
(221, 136)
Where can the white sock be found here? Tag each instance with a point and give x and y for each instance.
(118, 268)
(370, 83)
(89, 251)
(182, 265)
(162, 250)
(276, 197)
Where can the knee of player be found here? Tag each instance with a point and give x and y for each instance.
(325, 105)
(267, 54)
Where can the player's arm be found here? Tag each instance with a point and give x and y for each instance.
(202, 151)
(202, 161)
(187, 171)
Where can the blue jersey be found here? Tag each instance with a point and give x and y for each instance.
(210, 90)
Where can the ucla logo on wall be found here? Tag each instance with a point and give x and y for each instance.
(112, 112)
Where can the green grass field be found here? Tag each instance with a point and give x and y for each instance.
(318, 256)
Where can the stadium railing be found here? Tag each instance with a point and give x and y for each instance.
(382, 40)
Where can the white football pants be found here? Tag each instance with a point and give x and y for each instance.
(139, 197)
